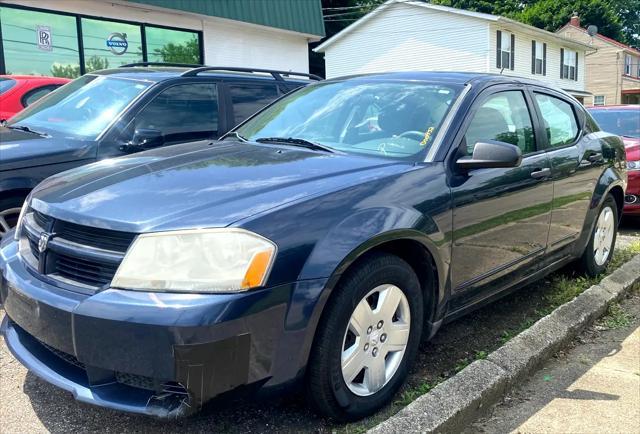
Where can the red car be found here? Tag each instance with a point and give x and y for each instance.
(18, 91)
(624, 120)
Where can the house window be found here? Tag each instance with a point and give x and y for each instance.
(569, 62)
(538, 58)
(598, 100)
(627, 64)
(505, 50)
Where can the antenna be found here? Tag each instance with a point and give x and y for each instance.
(501, 70)
(592, 30)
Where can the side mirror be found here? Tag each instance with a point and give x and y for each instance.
(143, 139)
(490, 153)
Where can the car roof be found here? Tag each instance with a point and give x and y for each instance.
(36, 77)
(453, 77)
(615, 107)
(161, 73)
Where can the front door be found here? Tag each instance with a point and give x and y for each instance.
(501, 215)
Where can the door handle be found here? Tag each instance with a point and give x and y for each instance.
(595, 157)
(541, 173)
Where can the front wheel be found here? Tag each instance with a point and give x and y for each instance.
(9, 213)
(367, 339)
(602, 242)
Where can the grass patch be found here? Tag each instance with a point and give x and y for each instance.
(616, 318)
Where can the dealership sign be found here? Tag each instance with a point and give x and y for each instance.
(43, 36)
(117, 43)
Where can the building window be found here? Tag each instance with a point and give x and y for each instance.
(42, 42)
(109, 44)
(627, 64)
(598, 100)
(538, 58)
(39, 43)
(569, 62)
(173, 46)
(505, 50)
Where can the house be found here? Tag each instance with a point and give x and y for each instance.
(70, 37)
(612, 71)
(415, 35)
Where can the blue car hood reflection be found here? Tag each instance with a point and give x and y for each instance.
(200, 184)
(20, 149)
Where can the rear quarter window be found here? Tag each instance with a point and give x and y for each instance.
(6, 84)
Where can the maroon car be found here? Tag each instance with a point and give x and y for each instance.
(624, 120)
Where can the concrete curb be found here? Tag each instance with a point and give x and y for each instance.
(457, 402)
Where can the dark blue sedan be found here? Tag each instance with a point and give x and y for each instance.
(316, 244)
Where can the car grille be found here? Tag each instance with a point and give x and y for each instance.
(76, 255)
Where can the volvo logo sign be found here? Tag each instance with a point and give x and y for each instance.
(117, 43)
(43, 242)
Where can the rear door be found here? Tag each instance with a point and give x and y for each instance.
(576, 164)
(501, 215)
(246, 97)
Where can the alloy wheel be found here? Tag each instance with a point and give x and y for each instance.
(603, 237)
(375, 340)
(8, 219)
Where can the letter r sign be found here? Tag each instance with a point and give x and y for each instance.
(43, 35)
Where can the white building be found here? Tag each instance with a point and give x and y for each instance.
(403, 35)
(71, 37)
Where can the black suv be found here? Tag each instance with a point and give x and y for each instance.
(115, 112)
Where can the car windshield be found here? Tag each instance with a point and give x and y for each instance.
(621, 122)
(391, 119)
(81, 109)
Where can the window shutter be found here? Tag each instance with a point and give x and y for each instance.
(562, 63)
(576, 66)
(499, 50)
(533, 57)
(513, 51)
(544, 59)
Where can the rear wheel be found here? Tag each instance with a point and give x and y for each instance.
(9, 213)
(367, 339)
(600, 248)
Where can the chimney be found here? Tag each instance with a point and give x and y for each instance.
(575, 20)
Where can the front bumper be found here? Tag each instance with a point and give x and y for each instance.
(158, 354)
(632, 195)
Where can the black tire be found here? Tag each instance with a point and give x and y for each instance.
(9, 203)
(588, 262)
(327, 391)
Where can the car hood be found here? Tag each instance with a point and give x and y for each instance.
(200, 184)
(20, 149)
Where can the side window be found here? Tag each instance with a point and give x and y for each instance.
(249, 98)
(35, 94)
(503, 117)
(182, 112)
(559, 120)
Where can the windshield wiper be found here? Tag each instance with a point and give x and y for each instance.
(234, 134)
(27, 129)
(296, 142)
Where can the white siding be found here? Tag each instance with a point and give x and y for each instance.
(523, 59)
(226, 42)
(405, 37)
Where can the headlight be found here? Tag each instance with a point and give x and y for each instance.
(200, 260)
(633, 165)
(25, 206)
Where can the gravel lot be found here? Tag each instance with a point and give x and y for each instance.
(30, 405)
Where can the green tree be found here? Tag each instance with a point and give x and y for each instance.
(94, 63)
(629, 13)
(188, 52)
(505, 7)
(553, 14)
